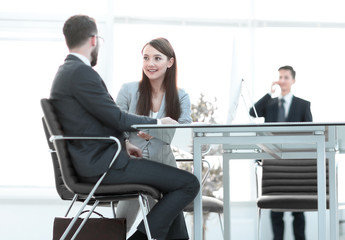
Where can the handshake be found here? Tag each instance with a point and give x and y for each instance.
(165, 120)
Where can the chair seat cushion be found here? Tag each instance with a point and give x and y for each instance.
(121, 190)
(289, 202)
(209, 204)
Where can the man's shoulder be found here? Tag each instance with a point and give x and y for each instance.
(75, 73)
(76, 67)
(268, 99)
(300, 100)
(72, 64)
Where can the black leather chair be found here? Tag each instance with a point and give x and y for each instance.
(287, 185)
(60, 187)
(88, 193)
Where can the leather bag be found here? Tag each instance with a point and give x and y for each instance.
(94, 228)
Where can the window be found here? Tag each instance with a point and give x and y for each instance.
(309, 35)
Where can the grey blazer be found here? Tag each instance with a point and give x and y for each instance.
(159, 146)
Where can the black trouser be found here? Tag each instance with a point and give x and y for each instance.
(179, 188)
(278, 225)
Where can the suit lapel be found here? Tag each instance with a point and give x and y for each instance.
(275, 109)
(292, 108)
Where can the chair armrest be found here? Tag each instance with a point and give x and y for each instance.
(258, 163)
(59, 137)
(203, 181)
(258, 176)
(207, 171)
(207, 151)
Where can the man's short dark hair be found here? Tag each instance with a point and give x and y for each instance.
(293, 72)
(77, 29)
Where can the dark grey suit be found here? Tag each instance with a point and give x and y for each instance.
(267, 107)
(84, 107)
(299, 111)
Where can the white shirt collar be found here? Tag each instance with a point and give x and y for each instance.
(82, 58)
(287, 98)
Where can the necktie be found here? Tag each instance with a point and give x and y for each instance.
(281, 111)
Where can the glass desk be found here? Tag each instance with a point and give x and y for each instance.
(265, 141)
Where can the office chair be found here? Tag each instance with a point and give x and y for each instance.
(60, 187)
(209, 204)
(287, 185)
(87, 192)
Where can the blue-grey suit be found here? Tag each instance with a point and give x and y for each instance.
(158, 147)
(85, 108)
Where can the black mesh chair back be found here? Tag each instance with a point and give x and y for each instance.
(289, 184)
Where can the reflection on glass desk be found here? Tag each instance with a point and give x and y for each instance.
(264, 141)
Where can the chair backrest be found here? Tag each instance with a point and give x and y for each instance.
(290, 177)
(61, 189)
(69, 175)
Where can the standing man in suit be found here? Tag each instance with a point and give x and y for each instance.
(84, 107)
(285, 108)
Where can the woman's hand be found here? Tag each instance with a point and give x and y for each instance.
(132, 150)
(144, 135)
(168, 120)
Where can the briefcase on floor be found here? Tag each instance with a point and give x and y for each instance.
(94, 228)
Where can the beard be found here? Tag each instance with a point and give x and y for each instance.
(94, 56)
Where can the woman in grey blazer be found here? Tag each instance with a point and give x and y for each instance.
(156, 95)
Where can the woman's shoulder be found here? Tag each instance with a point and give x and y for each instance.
(130, 87)
(182, 93)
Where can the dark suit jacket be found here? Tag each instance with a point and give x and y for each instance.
(267, 107)
(85, 108)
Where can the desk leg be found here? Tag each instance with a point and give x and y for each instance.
(321, 187)
(198, 213)
(333, 198)
(226, 193)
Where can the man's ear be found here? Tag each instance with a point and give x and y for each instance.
(93, 40)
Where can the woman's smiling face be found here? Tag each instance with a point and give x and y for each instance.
(155, 63)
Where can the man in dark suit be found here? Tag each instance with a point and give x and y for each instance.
(285, 108)
(84, 107)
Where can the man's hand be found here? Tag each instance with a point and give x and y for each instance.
(133, 150)
(274, 87)
(168, 120)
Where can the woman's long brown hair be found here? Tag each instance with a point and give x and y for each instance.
(172, 102)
